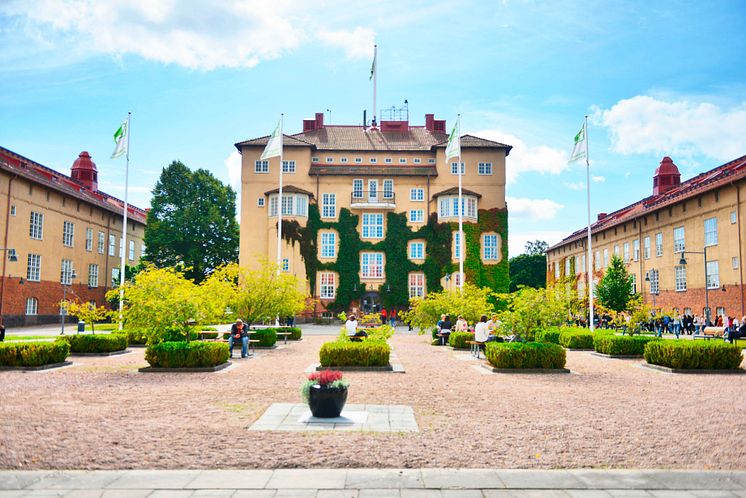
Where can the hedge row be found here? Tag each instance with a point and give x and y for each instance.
(693, 355)
(186, 354)
(458, 339)
(525, 355)
(548, 335)
(133, 336)
(576, 339)
(623, 345)
(354, 354)
(33, 354)
(96, 343)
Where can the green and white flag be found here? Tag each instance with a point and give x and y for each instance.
(578, 151)
(373, 66)
(120, 138)
(274, 146)
(453, 149)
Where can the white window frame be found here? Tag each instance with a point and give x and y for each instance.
(636, 250)
(484, 169)
(597, 261)
(606, 258)
(373, 190)
(582, 262)
(329, 159)
(654, 277)
(388, 188)
(36, 225)
(734, 262)
(372, 227)
(679, 239)
(431, 161)
(416, 250)
(285, 265)
(32, 306)
(68, 233)
(417, 194)
(448, 206)
(112, 245)
(680, 278)
(646, 247)
(328, 244)
(260, 202)
(489, 248)
(358, 160)
(328, 205)
(327, 285)
(416, 284)
(288, 167)
(633, 286)
(33, 268)
(417, 216)
(733, 217)
(417, 160)
(402, 160)
(101, 242)
(343, 160)
(373, 160)
(388, 160)
(89, 239)
(358, 188)
(659, 244)
(372, 265)
(454, 168)
(713, 274)
(315, 159)
(66, 272)
(711, 231)
(131, 252)
(457, 245)
(261, 166)
(92, 276)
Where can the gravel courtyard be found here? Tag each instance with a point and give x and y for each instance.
(103, 414)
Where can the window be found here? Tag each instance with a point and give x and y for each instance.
(142, 251)
(131, 251)
(328, 205)
(659, 244)
(402, 160)
(328, 244)
(678, 240)
(372, 264)
(633, 286)
(388, 189)
(358, 160)
(713, 275)
(711, 231)
(33, 270)
(416, 216)
(616, 249)
(260, 202)
(567, 267)
(121, 246)
(734, 262)
(654, 281)
(373, 160)
(636, 251)
(261, 166)
(329, 159)
(417, 160)
(582, 263)
(732, 217)
(13, 210)
(680, 278)
(431, 161)
(484, 168)
(115, 277)
(606, 258)
(288, 166)
(416, 250)
(292, 205)
(556, 270)
(489, 248)
(101, 242)
(301, 205)
(416, 285)
(315, 159)
(343, 160)
(32, 306)
(285, 265)
(36, 226)
(66, 273)
(327, 289)
(720, 311)
(448, 206)
(457, 245)
(68, 233)
(357, 188)
(89, 239)
(454, 169)
(597, 261)
(92, 276)
(373, 189)
(388, 160)
(646, 248)
(417, 194)
(372, 225)
(112, 245)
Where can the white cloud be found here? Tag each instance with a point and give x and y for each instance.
(533, 209)
(598, 179)
(524, 158)
(574, 186)
(233, 165)
(644, 124)
(517, 239)
(357, 43)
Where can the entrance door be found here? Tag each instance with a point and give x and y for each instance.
(371, 302)
(373, 190)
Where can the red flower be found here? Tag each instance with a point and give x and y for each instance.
(325, 377)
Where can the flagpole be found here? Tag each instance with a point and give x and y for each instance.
(279, 207)
(375, 77)
(124, 224)
(590, 251)
(461, 241)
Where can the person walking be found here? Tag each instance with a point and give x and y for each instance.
(392, 317)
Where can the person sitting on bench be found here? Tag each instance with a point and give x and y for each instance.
(352, 332)
(239, 331)
(481, 331)
(445, 330)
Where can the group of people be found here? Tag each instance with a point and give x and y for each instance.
(485, 330)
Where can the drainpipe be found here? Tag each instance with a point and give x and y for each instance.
(5, 258)
(641, 255)
(106, 253)
(740, 245)
(428, 196)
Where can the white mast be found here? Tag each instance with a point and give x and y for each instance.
(279, 206)
(590, 252)
(124, 224)
(461, 240)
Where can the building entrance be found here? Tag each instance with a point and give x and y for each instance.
(371, 302)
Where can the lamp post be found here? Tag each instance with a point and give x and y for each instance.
(682, 262)
(65, 285)
(650, 282)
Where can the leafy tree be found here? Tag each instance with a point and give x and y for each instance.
(425, 312)
(532, 309)
(615, 288)
(86, 312)
(537, 247)
(529, 269)
(192, 221)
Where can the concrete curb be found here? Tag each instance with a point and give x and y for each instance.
(216, 368)
(48, 366)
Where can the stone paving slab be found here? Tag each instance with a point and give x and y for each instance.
(361, 418)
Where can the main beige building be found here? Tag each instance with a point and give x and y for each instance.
(335, 175)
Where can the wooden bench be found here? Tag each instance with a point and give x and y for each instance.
(476, 347)
(710, 333)
(441, 337)
(251, 345)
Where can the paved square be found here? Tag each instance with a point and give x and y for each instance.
(355, 418)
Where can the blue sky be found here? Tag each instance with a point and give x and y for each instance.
(661, 79)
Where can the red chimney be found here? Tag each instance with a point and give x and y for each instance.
(666, 177)
(84, 170)
(602, 216)
(319, 120)
(429, 118)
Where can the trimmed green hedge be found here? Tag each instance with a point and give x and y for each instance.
(33, 354)
(98, 343)
(623, 345)
(207, 334)
(525, 355)
(295, 333)
(548, 335)
(693, 355)
(186, 354)
(576, 339)
(458, 339)
(354, 354)
(133, 336)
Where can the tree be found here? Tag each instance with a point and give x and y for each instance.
(472, 304)
(192, 221)
(86, 312)
(529, 269)
(537, 247)
(532, 309)
(614, 291)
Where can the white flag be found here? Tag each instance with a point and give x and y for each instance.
(578, 151)
(120, 138)
(453, 149)
(274, 146)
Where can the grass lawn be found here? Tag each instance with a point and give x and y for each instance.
(23, 337)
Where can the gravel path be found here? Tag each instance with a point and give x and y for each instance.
(103, 414)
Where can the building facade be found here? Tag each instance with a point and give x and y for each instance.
(369, 212)
(61, 237)
(683, 245)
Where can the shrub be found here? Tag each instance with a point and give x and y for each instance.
(135, 336)
(525, 355)
(576, 339)
(208, 334)
(295, 333)
(548, 335)
(176, 334)
(693, 355)
(354, 354)
(33, 354)
(186, 354)
(620, 344)
(208, 329)
(99, 343)
(458, 339)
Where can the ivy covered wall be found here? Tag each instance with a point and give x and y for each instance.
(438, 238)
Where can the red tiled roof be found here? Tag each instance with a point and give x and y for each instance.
(454, 191)
(704, 182)
(289, 189)
(54, 180)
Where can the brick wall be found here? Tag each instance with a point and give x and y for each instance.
(730, 299)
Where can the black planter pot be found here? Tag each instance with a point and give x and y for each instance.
(326, 402)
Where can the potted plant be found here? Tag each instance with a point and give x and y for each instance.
(326, 393)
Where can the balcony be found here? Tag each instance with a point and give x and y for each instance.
(366, 199)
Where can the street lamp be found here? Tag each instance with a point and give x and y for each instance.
(63, 311)
(682, 262)
(650, 282)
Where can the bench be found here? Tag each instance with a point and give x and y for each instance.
(237, 344)
(710, 333)
(476, 347)
(441, 337)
